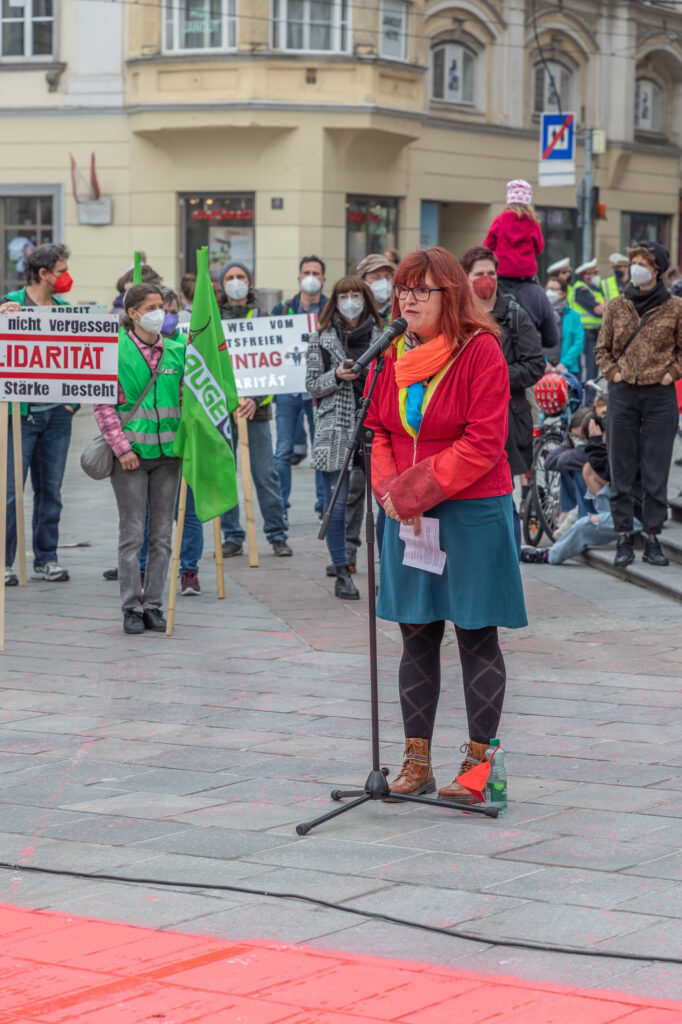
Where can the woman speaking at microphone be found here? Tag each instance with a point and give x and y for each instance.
(348, 325)
(439, 412)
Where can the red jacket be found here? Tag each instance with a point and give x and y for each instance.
(516, 241)
(459, 452)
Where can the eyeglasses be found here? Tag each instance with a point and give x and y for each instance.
(420, 292)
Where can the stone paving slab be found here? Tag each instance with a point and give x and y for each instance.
(197, 755)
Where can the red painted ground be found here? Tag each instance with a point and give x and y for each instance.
(57, 969)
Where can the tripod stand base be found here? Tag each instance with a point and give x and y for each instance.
(376, 788)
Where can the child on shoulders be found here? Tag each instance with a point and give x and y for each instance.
(515, 235)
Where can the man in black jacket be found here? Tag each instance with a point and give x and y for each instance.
(522, 349)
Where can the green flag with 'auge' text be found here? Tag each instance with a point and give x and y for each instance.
(204, 439)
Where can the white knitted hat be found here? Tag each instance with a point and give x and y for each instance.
(519, 191)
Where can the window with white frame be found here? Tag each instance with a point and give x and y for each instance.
(393, 24)
(453, 69)
(199, 25)
(552, 88)
(648, 106)
(27, 28)
(317, 25)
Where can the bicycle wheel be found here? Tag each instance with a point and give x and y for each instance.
(532, 527)
(546, 484)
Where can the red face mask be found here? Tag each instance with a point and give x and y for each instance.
(63, 283)
(484, 287)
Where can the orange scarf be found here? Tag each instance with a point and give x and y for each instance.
(424, 361)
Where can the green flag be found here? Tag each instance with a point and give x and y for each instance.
(204, 438)
(137, 268)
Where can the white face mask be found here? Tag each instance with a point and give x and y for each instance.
(595, 280)
(382, 289)
(152, 321)
(350, 308)
(311, 285)
(552, 295)
(640, 275)
(236, 289)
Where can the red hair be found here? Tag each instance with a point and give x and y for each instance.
(461, 314)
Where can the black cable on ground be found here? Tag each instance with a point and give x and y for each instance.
(370, 914)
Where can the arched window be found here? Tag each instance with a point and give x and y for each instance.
(546, 86)
(648, 106)
(453, 69)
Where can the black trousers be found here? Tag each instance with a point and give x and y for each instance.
(641, 425)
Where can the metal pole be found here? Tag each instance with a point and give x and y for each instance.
(587, 199)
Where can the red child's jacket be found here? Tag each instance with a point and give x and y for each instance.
(459, 451)
(516, 241)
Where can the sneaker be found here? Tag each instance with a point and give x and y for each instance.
(52, 572)
(281, 548)
(189, 584)
(11, 578)
(110, 574)
(133, 622)
(230, 549)
(153, 619)
(531, 554)
(297, 458)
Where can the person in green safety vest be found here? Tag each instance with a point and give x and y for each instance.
(45, 428)
(616, 284)
(241, 303)
(146, 472)
(586, 297)
(192, 547)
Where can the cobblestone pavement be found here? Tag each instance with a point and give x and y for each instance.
(192, 759)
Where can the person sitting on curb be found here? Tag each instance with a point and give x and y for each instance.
(593, 530)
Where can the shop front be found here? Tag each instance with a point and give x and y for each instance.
(224, 221)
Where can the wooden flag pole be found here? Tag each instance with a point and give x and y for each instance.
(247, 484)
(19, 492)
(175, 561)
(218, 541)
(4, 430)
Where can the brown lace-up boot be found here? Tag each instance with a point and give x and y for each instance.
(415, 776)
(474, 753)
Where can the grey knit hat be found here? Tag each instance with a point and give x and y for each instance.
(235, 263)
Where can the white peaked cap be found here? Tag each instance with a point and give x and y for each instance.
(563, 264)
(618, 257)
(590, 265)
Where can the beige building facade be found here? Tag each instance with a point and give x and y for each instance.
(273, 129)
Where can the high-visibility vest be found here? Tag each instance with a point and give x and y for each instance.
(611, 288)
(589, 321)
(152, 431)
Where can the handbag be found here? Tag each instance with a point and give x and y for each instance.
(97, 458)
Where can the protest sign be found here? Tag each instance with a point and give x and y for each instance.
(58, 355)
(268, 353)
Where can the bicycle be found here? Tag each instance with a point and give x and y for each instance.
(558, 399)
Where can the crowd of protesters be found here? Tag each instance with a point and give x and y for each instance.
(614, 462)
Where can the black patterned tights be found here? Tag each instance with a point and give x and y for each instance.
(483, 675)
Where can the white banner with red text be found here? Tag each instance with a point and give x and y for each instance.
(58, 355)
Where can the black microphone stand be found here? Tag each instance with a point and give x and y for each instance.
(376, 787)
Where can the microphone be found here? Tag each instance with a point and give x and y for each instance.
(394, 330)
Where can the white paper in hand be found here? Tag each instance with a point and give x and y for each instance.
(423, 552)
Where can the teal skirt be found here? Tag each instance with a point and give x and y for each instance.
(481, 583)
